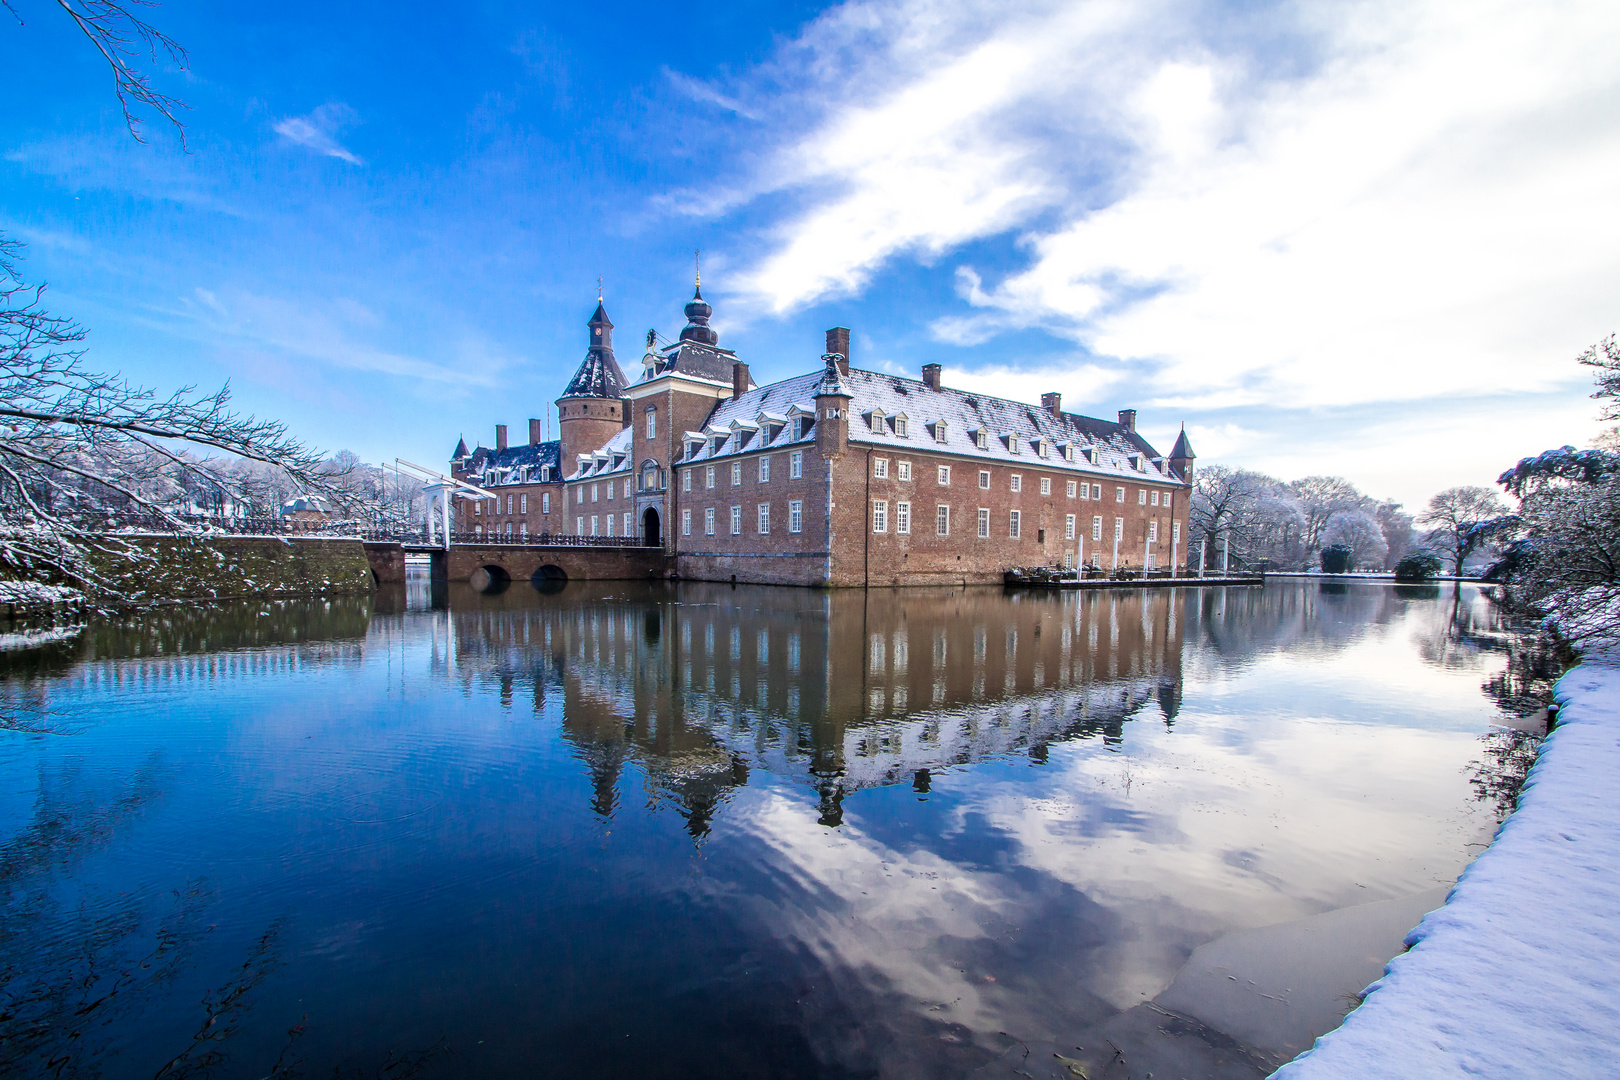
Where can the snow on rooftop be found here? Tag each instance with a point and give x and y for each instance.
(1519, 973)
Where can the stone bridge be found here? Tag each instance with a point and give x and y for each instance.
(487, 565)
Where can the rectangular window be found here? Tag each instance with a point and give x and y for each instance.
(478, 508)
(594, 492)
(984, 523)
(944, 476)
(545, 502)
(984, 479)
(508, 528)
(1069, 490)
(509, 504)
(795, 515)
(652, 424)
(609, 526)
(1141, 496)
(708, 521)
(1014, 520)
(736, 521)
(900, 428)
(1155, 500)
(523, 528)
(765, 469)
(708, 477)
(686, 521)
(627, 487)
(764, 519)
(523, 504)
(1167, 500)
(796, 465)
(880, 515)
(1017, 482)
(626, 529)
(880, 468)
(736, 473)
(903, 470)
(1096, 491)
(686, 479)
(1096, 528)
(579, 526)
(902, 518)
(942, 520)
(594, 523)
(1068, 526)
(1153, 531)
(981, 439)
(1119, 495)
(1119, 528)
(1046, 485)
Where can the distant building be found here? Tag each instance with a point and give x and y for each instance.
(307, 508)
(835, 476)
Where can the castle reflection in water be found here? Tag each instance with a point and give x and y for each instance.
(698, 684)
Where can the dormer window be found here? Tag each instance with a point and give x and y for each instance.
(900, 428)
(1040, 447)
(878, 421)
(1012, 444)
(981, 439)
(939, 431)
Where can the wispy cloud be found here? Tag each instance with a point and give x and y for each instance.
(319, 130)
(1310, 205)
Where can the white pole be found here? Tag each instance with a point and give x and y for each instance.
(1202, 544)
(445, 507)
(1116, 545)
(1080, 560)
(1147, 554)
(1175, 548)
(1226, 555)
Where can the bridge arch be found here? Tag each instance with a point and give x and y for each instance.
(490, 578)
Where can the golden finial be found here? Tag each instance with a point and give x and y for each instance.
(697, 270)
(598, 288)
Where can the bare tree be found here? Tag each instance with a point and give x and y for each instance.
(122, 38)
(1319, 498)
(1358, 531)
(1456, 513)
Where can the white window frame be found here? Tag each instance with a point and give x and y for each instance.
(1069, 488)
(902, 470)
(523, 503)
(902, 427)
(1119, 495)
(608, 525)
(736, 519)
(1046, 485)
(1153, 532)
(795, 515)
(943, 476)
(1017, 481)
(942, 519)
(708, 478)
(1015, 524)
(594, 488)
(880, 515)
(1068, 526)
(1096, 528)
(708, 521)
(652, 423)
(736, 473)
(902, 518)
(1119, 528)
(595, 524)
(984, 523)
(1154, 500)
(764, 519)
(880, 468)
(796, 465)
(545, 502)
(765, 469)
(686, 522)
(686, 479)
(984, 479)
(1141, 496)
(579, 526)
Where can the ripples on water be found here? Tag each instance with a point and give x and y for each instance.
(641, 830)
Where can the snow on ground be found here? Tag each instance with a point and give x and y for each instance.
(35, 594)
(33, 639)
(1519, 974)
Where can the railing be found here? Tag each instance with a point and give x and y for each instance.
(176, 524)
(418, 537)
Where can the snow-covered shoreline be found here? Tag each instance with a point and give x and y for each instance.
(1519, 973)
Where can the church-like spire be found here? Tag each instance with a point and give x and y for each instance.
(599, 375)
(1183, 448)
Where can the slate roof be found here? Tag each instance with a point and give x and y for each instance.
(514, 465)
(878, 401)
(1183, 448)
(460, 451)
(613, 458)
(598, 376)
(692, 359)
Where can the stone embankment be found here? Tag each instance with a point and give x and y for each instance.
(1519, 973)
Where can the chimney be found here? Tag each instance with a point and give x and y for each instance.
(624, 412)
(536, 436)
(838, 342)
(931, 376)
(1053, 403)
(500, 437)
(739, 380)
(1127, 419)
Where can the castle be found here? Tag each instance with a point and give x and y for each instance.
(832, 477)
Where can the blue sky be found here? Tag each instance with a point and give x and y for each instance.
(1361, 238)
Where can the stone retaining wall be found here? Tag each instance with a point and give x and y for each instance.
(166, 569)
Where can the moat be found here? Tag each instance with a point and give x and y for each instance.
(699, 830)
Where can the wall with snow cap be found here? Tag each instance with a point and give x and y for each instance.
(1519, 973)
(166, 569)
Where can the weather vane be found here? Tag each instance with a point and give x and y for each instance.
(598, 288)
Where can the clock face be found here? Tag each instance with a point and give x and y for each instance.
(598, 331)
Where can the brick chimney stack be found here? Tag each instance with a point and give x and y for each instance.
(624, 412)
(1053, 403)
(931, 376)
(500, 437)
(1127, 419)
(838, 342)
(536, 436)
(739, 380)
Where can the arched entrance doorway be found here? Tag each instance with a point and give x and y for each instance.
(650, 534)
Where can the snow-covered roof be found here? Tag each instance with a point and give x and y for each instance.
(612, 457)
(514, 465)
(1015, 431)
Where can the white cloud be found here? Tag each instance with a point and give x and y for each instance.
(319, 130)
(1420, 204)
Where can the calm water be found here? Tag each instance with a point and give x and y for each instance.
(650, 831)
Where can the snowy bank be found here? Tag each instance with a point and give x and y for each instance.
(1519, 974)
(21, 597)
